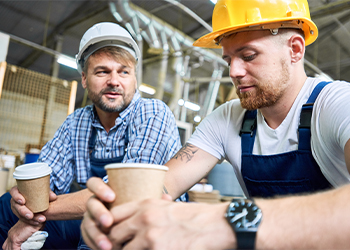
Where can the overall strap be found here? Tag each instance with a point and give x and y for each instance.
(305, 118)
(92, 139)
(248, 131)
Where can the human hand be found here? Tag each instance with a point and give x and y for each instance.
(153, 223)
(98, 219)
(18, 234)
(163, 224)
(22, 212)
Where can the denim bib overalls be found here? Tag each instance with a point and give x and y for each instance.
(281, 174)
(97, 165)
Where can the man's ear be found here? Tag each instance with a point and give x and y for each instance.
(83, 79)
(297, 48)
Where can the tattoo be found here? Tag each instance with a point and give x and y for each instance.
(165, 191)
(186, 153)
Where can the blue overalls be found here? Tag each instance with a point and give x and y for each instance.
(62, 234)
(97, 165)
(281, 174)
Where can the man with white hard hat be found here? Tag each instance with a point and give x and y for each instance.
(120, 126)
(287, 138)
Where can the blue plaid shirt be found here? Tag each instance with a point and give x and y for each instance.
(153, 138)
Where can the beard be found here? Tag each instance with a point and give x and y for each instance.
(268, 91)
(111, 105)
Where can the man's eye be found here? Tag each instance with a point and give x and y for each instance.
(249, 58)
(125, 72)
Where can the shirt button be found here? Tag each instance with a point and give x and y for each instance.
(107, 150)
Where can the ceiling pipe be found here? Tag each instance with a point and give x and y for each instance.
(213, 89)
(127, 11)
(163, 68)
(134, 32)
(191, 13)
(178, 85)
(186, 86)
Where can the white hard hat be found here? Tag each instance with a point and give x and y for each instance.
(102, 35)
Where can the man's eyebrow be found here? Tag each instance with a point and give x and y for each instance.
(99, 67)
(103, 67)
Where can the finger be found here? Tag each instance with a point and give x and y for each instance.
(98, 212)
(135, 244)
(92, 236)
(100, 189)
(52, 196)
(21, 211)
(17, 196)
(120, 235)
(124, 224)
(5, 245)
(124, 211)
(39, 217)
(167, 197)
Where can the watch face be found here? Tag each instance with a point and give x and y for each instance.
(243, 215)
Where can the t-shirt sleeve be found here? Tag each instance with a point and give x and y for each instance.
(210, 133)
(331, 131)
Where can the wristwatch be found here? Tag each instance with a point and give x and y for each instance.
(244, 216)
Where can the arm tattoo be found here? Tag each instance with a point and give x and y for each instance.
(186, 153)
(165, 191)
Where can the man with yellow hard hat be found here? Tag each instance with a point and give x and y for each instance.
(287, 138)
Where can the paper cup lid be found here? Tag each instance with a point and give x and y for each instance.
(31, 171)
(136, 165)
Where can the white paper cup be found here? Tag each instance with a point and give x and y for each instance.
(33, 182)
(135, 181)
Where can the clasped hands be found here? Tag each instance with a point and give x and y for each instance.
(149, 224)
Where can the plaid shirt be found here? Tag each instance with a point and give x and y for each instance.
(153, 138)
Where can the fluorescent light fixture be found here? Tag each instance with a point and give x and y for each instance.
(189, 105)
(197, 118)
(67, 61)
(192, 106)
(147, 89)
(214, 1)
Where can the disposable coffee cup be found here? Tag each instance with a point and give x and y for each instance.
(33, 182)
(135, 181)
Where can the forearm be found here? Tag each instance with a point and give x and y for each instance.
(190, 162)
(70, 206)
(306, 222)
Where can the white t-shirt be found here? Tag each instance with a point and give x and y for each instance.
(218, 133)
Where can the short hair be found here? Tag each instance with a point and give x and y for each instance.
(286, 31)
(119, 54)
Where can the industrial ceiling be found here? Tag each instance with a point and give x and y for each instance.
(165, 29)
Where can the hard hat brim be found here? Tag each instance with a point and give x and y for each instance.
(209, 40)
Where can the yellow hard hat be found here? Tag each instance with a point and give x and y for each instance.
(231, 16)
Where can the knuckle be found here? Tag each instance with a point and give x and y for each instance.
(148, 217)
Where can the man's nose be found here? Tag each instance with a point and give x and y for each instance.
(237, 68)
(114, 78)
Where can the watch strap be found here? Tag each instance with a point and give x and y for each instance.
(245, 240)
